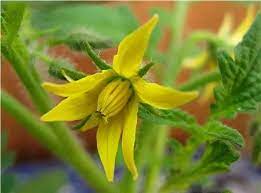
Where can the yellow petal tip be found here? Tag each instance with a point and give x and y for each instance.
(44, 118)
(135, 176)
(156, 16)
(194, 94)
(155, 19)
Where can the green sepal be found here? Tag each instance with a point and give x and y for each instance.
(145, 69)
(81, 123)
(57, 68)
(100, 63)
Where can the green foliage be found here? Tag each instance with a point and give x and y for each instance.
(175, 117)
(221, 146)
(217, 157)
(101, 26)
(241, 78)
(11, 19)
(215, 130)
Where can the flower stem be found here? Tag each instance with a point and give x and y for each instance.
(79, 160)
(200, 81)
(175, 48)
(154, 170)
(174, 57)
(29, 121)
(38, 97)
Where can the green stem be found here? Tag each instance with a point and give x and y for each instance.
(154, 170)
(174, 59)
(78, 159)
(200, 81)
(175, 49)
(38, 97)
(29, 121)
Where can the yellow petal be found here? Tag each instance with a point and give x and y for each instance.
(226, 26)
(161, 97)
(108, 136)
(207, 92)
(75, 107)
(79, 86)
(197, 61)
(244, 25)
(128, 135)
(132, 48)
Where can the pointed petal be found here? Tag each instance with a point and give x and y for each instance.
(129, 134)
(79, 86)
(196, 62)
(108, 136)
(132, 48)
(160, 96)
(244, 25)
(207, 92)
(75, 107)
(226, 26)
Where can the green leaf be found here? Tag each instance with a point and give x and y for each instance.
(11, 19)
(241, 78)
(99, 25)
(175, 118)
(217, 157)
(215, 130)
(48, 182)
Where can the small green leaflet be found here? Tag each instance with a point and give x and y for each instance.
(215, 130)
(217, 157)
(211, 131)
(241, 78)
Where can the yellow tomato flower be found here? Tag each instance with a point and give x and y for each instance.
(232, 38)
(110, 99)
